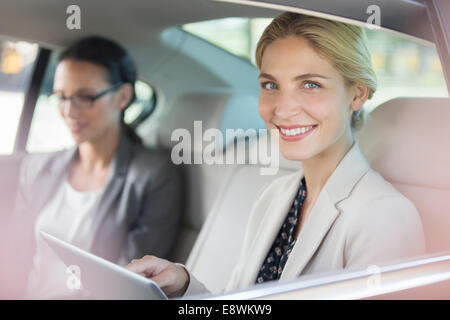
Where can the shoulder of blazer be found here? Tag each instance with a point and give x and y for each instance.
(383, 219)
(373, 191)
(146, 157)
(133, 159)
(373, 186)
(35, 165)
(147, 164)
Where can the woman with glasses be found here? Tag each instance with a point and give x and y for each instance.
(108, 195)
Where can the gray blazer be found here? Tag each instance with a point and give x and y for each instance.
(139, 211)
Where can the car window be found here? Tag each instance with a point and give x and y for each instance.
(48, 131)
(404, 68)
(238, 36)
(17, 60)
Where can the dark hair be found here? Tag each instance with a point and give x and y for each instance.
(115, 59)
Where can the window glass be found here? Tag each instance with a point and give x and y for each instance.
(238, 36)
(144, 102)
(48, 131)
(16, 67)
(403, 67)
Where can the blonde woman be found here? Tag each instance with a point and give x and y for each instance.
(335, 213)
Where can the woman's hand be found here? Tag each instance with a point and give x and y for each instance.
(173, 279)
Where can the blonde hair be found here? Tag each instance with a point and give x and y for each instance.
(344, 45)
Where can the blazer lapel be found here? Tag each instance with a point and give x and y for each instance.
(270, 226)
(320, 220)
(325, 211)
(111, 193)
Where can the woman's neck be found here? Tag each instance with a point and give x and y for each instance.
(317, 170)
(97, 154)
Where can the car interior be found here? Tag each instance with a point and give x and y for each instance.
(192, 79)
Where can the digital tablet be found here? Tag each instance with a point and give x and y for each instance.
(102, 279)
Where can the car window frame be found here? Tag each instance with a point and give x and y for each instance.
(436, 17)
(392, 280)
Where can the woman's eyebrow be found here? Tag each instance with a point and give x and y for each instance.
(309, 75)
(300, 77)
(266, 75)
(80, 90)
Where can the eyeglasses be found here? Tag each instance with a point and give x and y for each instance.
(80, 101)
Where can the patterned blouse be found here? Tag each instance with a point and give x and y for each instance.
(284, 243)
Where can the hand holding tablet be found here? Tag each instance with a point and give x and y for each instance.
(172, 278)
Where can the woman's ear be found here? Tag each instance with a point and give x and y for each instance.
(125, 94)
(361, 94)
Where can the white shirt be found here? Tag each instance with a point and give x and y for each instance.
(69, 216)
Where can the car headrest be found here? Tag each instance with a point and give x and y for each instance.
(187, 108)
(215, 109)
(407, 141)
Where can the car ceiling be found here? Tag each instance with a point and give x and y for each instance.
(137, 21)
(131, 21)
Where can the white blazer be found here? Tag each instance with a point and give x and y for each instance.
(359, 219)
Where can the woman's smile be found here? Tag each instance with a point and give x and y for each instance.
(295, 132)
(75, 127)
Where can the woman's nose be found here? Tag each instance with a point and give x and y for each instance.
(287, 106)
(68, 109)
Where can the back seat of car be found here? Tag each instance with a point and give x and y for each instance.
(200, 184)
(205, 184)
(404, 139)
(407, 140)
